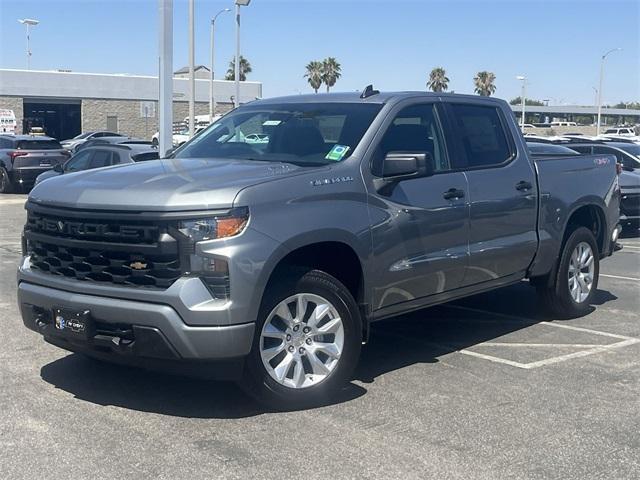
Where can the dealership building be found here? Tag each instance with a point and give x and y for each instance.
(67, 103)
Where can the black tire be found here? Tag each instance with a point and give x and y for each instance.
(154, 142)
(557, 296)
(5, 182)
(258, 383)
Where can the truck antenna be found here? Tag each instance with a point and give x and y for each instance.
(369, 92)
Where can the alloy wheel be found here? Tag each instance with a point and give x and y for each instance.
(581, 272)
(302, 341)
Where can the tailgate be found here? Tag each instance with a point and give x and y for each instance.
(39, 158)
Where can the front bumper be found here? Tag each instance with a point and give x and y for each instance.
(154, 331)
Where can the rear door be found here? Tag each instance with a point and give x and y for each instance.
(419, 227)
(502, 192)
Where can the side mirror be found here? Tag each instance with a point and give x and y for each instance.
(169, 152)
(400, 165)
(58, 168)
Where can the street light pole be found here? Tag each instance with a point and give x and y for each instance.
(165, 97)
(600, 87)
(192, 79)
(212, 101)
(29, 22)
(522, 97)
(236, 73)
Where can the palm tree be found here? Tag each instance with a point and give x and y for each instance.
(438, 80)
(245, 69)
(485, 83)
(314, 74)
(331, 72)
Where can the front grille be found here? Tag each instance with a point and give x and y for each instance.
(121, 252)
(105, 266)
(630, 204)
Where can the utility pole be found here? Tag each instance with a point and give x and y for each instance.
(192, 79)
(165, 77)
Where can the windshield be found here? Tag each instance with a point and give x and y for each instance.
(304, 134)
(82, 135)
(39, 145)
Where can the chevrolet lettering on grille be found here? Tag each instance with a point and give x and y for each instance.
(91, 229)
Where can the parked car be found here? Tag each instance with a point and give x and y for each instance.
(24, 157)
(37, 132)
(267, 263)
(563, 124)
(99, 156)
(628, 156)
(112, 141)
(178, 138)
(621, 131)
(74, 142)
(257, 138)
(546, 149)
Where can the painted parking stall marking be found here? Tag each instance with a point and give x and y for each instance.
(584, 349)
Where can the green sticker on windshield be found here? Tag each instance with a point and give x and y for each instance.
(337, 153)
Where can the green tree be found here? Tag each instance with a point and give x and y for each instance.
(331, 72)
(438, 80)
(314, 74)
(485, 83)
(245, 69)
(527, 101)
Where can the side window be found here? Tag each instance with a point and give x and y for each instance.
(481, 134)
(101, 158)
(584, 150)
(79, 162)
(414, 129)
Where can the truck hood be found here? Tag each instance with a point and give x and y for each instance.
(160, 185)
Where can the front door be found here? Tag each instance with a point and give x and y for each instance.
(420, 227)
(502, 193)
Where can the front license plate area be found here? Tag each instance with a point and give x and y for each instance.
(73, 323)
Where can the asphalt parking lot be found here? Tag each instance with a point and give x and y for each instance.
(486, 388)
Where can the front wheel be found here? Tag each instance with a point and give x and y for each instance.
(307, 342)
(576, 280)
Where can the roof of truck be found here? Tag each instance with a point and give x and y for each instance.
(355, 97)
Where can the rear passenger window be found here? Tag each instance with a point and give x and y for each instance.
(482, 135)
(101, 158)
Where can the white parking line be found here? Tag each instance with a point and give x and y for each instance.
(590, 349)
(12, 201)
(552, 360)
(569, 345)
(621, 278)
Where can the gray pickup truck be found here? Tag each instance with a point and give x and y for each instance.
(266, 261)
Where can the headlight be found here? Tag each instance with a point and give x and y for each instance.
(202, 229)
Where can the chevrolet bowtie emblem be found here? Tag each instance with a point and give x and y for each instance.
(138, 265)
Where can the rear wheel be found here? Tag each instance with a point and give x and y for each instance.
(307, 342)
(5, 182)
(576, 279)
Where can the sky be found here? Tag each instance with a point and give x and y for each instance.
(394, 44)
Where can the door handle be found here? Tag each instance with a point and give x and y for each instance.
(523, 186)
(453, 194)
